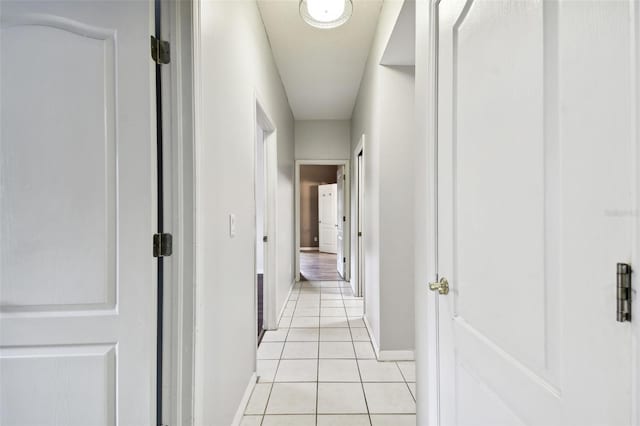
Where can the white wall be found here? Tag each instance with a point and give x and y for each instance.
(235, 64)
(384, 112)
(323, 139)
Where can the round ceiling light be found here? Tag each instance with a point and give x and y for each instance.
(326, 13)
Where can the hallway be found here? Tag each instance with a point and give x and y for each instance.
(319, 367)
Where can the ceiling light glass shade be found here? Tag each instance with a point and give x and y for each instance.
(326, 13)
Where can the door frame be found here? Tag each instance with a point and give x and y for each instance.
(358, 243)
(180, 184)
(347, 212)
(264, 122)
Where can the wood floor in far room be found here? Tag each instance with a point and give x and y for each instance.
(317, 266)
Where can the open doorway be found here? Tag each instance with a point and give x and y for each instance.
(322, 221)
(265, 214)
(358, 286)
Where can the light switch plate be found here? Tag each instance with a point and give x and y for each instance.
(232, 225)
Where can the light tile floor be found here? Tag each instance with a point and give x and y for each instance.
(319, 368)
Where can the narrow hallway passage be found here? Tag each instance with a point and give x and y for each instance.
(319, 367)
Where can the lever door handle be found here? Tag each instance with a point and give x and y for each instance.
(441, 286)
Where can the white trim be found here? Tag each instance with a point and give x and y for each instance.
(635, 325)
(355, 219)
(237, 419)
(374, 342)
(347, 212)
(386, 356)
(177, 108)
(284, 305)
(199, 361)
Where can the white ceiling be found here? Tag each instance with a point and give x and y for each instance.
(320, 69)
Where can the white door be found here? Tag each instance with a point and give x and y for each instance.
(327, 218)
(535, 207)
(341, 218)
(77, 208)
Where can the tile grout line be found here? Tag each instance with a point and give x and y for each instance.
(353, 345)
(273, 382)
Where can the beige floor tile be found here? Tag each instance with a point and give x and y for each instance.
(343, 420)
(279, 335)
(336, 350)
(303, 335)
(266, 370)
(412, 388)
(251, 421)
(360, 335)
(292, 398)
(297, 370)
(334, 322)
(391, 398)
(393, 420)
(290, 420)
(258, 399)
(300, 350)
(338, 370)
(335, 335)
(305, 322)
(408, 369)
(364, 350)
(270, 350)
(341, 398)
(375, 371)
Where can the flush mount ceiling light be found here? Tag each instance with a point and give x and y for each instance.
(326, 13)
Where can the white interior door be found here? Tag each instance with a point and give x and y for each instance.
(535, 200)
(327, 218)
(340, 220)
(77, 214)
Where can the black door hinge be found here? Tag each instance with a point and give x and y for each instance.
(623, 292)
(344, 260)
(160, 51)
(162, 245)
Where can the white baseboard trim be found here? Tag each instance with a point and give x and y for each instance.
(237, 419)
(385, 356)
(284, 306)
(396, 356)
(374, 343)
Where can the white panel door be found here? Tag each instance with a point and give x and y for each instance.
(77, 203)
(340, 219)
(327, 218)
(535, 206)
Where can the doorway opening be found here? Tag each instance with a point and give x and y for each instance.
(265, 169)
(322, 219)
(358, 286)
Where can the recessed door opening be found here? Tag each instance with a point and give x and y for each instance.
(322, 219)
(260, 229)
(265, 175)
(359, 271)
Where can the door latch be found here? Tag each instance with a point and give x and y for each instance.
(623, 292)
(441, 286)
